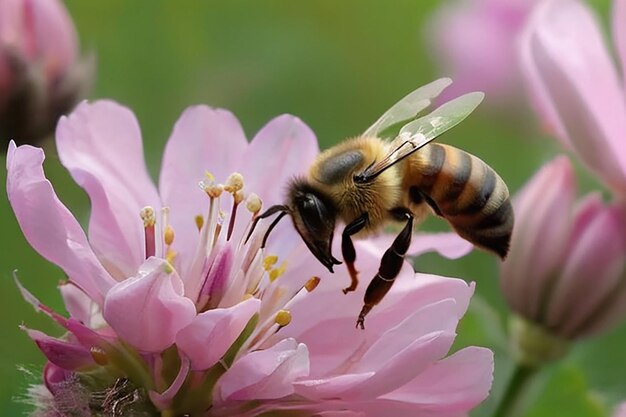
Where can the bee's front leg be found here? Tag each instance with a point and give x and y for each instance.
(347, 249)
(390, 266)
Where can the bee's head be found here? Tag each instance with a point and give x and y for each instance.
(314, 215)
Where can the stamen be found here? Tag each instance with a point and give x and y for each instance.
(218, 226)
(170, 255)
(149, 220)
(312, 284)
(269, 262)
(276, 272)
(254, 203)
(199, 219)
(214, 191)
(234, 183)
(282, 318)
(233, 214)
(168, 236)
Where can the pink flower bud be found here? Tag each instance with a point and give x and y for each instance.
(41, 77)
(567, 264)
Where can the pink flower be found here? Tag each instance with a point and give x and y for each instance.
(576, 86)
(41, 76)
(474, 41)
(172, 309)
(566, 269)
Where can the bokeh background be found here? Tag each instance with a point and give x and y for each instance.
(337, 65)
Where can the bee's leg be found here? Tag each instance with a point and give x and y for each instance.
(347, 249)
(390, 266)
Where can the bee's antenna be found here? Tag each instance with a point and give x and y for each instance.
(272, 210)
(272, 226)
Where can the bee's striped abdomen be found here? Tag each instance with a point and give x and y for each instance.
(465, 191)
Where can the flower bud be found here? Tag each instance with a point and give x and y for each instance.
(41, 76)
(567, 265)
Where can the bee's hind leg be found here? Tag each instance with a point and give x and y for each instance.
(347, 249)
(390, 266)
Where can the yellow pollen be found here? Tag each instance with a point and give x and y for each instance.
(168, 236)
(170, 255)
(99, 356)
(238, 196)
(276, 272)
(312, 284)
(214, 191)
(199, 221)
(254, 203)
(234, 183)
(269, 262)
(283, 318)
(148, 216)
(209, 176)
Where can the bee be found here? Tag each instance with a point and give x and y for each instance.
(373, 179)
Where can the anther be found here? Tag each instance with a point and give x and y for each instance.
(199, 221)
(213, 190)
(170, 255)
(282, 318)
(234, 183)
(149, 220)
(311, 284)
(277, 272)
(253, 203)
(99, 356)
(269, 262)
(148, 216)
(168, 236)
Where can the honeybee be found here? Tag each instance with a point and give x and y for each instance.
(373, 179)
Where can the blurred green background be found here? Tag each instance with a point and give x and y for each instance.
(335, 64)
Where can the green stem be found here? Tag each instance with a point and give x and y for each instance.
(512, 402)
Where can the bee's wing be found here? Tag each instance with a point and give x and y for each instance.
(418, 133)
(409, 107)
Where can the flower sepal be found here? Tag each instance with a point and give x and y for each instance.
(532, 345)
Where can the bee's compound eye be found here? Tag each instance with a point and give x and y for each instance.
(314, 213)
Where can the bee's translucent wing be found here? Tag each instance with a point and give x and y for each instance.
(418, 133)
(409, 107)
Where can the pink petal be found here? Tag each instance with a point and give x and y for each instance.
(203, 139)
(475, 43)
(542, 224)
(78, 304)
(148, 310)
(331, 387)
(100, 144)
(266, 374)
(449, 245)
(67, 355)
(54, 34)
(580, 78)
(212, 332)
(395, 372)
(592, 274)
(440, 316)
(55, 378)
(619, 31)
(539, 96)
(48, 225)
(284, 147)
(457, 383)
